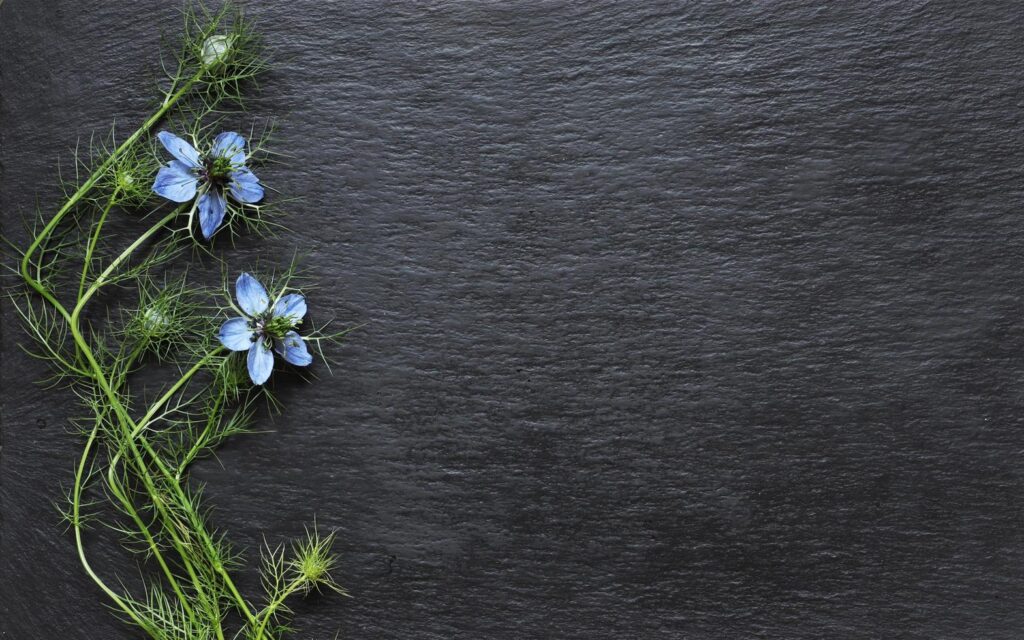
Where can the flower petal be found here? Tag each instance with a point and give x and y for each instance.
(251, 295)
(230, 145)
(236, 334)
(292, 305)
(293, 349)
(212, 206)
(245, 186)
(260, 362)
(175, 182)
(181, 150)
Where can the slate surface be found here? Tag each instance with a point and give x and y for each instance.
(686, 320)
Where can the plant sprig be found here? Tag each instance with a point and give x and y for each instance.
(132, 476)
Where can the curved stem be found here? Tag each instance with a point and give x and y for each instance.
(268, 612)
(91, 247)
(79, 545)
(129, 507)
(141, 456)
(101, 279)
(122, 497)
(93, 179)
(130, 425)
(124, 420)
(165, 398)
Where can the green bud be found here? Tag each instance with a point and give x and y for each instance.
(216, 50)
(125, 181)
(155, 322)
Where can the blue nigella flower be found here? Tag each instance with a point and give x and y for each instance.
(265, 327)
(223, 169)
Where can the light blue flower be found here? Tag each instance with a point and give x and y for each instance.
(264, 328)
(223, 169)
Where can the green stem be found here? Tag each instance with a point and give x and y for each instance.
(126, 420)
(268, 612)
(170, 524)
(32, 272)
(122, 496)
(79, 545)
(101, 279)
(26, 260)
(166, 397)
(91, 247)
(211, 551)
(139, 427)
(129, 508)
(197, 446)
(69, 204)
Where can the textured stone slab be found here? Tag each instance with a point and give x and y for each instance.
(684, 320)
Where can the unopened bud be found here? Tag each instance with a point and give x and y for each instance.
(216, 49)
(156, 322)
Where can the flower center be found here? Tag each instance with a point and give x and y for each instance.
(272, 326)
(216, 170)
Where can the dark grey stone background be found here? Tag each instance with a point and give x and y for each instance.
(686, 320)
